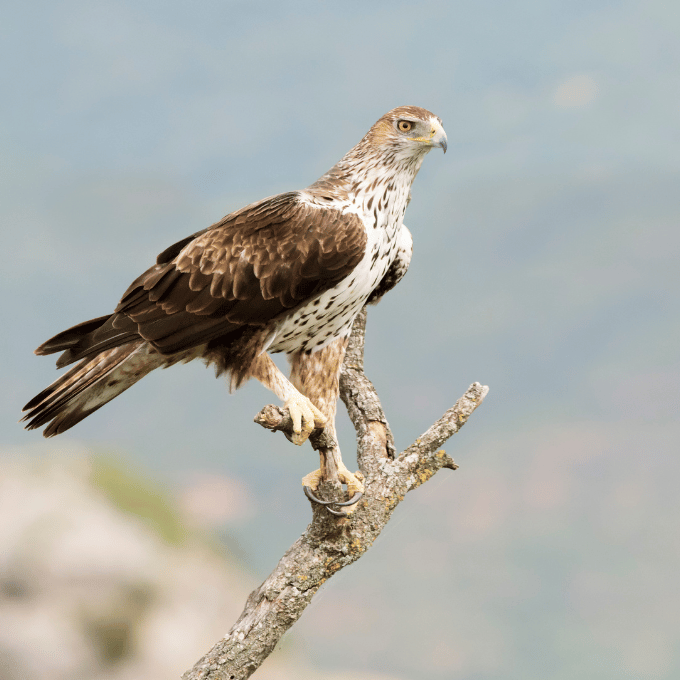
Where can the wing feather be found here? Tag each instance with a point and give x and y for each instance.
(251, 267)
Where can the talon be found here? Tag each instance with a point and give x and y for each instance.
(354, 499)
(305, 416)
(314, 499)
(355, 487)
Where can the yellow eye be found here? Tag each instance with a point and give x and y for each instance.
(404, 125)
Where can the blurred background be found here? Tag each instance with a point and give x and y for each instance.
(546, 265)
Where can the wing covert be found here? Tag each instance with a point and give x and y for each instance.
(249, 268)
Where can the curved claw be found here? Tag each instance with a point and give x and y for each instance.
(314, 499)
(338, 513)
(354, 499)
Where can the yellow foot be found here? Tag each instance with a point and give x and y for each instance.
(355, 488)
(306, 418)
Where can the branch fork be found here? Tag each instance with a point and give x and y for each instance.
(331, 542)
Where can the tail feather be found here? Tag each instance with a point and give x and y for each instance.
(85, 352)
(54, 388)
(90, 338)
(89, 385)
(71, 336)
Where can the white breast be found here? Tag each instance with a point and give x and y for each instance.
(331, 315)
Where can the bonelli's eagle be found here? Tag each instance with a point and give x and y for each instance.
(286, 274)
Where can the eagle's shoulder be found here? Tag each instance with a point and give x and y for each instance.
(273, 207)
(282, 232)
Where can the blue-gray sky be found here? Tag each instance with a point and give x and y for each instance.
(546, 265)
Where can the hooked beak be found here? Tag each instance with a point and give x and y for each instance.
(438, 136)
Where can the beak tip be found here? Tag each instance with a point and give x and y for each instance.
(442, 141)
(438, 136)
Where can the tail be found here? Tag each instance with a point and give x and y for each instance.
(112, 358)
(90, 385)
(90, 338)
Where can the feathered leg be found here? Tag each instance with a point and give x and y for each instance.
(317, 376)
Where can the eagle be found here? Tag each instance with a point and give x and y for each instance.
(286, 274)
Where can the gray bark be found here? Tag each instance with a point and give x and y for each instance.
(331, 543)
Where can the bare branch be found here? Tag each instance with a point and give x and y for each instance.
(331, 543)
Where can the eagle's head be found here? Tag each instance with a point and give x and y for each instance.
(393, 149)
(408, 130)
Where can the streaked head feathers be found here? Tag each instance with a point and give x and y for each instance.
(408, 127)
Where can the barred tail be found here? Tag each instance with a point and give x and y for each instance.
(90, 385)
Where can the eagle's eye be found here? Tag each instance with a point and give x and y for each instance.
(404, 125)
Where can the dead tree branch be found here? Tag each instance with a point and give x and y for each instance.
(331, 543)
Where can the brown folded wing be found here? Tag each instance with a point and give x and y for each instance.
(251, 267)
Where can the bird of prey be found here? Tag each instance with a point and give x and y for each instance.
(285, 274)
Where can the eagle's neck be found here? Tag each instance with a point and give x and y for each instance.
(374, 181)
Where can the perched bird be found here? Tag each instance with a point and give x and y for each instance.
(286, 274)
